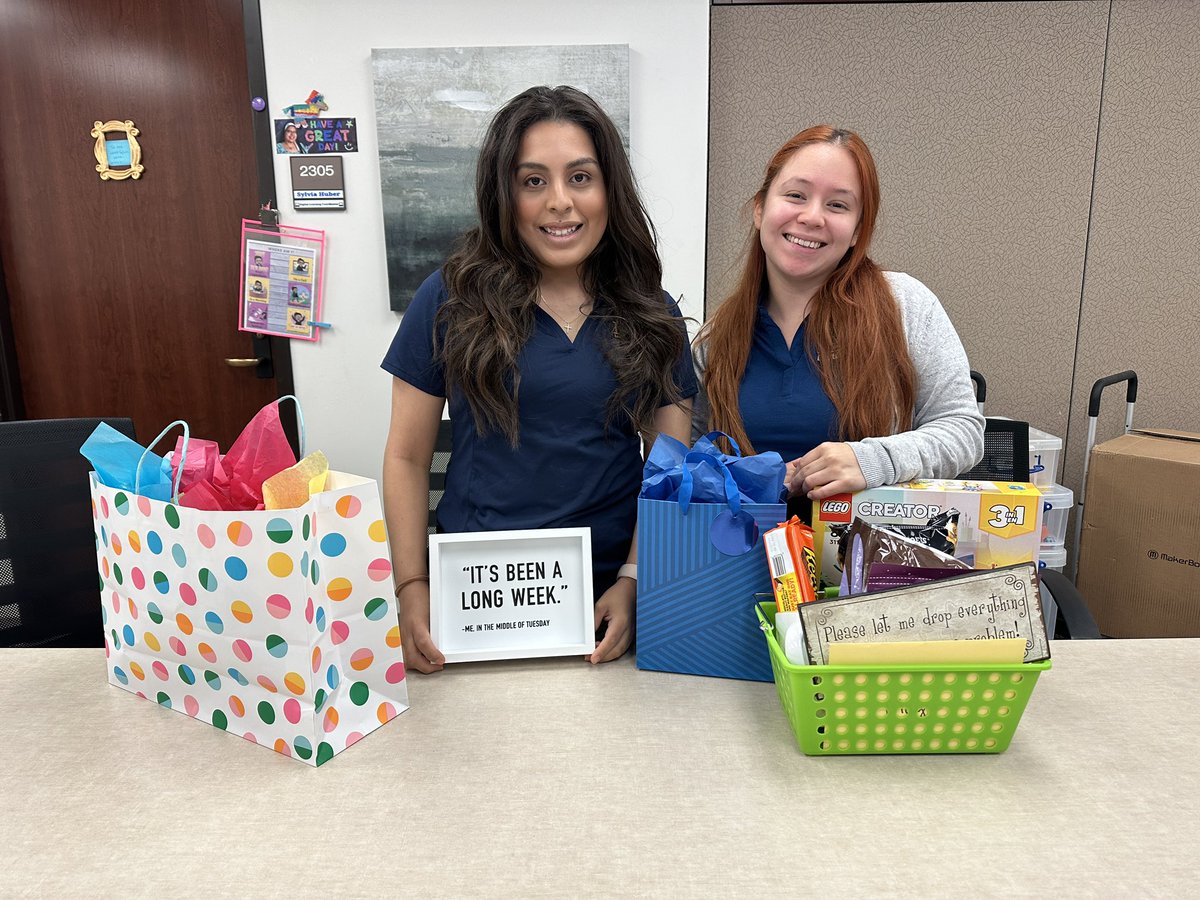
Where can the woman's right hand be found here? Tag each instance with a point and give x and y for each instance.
(420, 652)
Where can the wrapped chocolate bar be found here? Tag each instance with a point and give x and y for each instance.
(940, 532)
(867, 544)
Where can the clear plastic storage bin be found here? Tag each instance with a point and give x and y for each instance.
(1044, 451)
(1052, 556)
(1057, 502)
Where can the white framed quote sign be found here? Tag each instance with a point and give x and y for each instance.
(511, 594)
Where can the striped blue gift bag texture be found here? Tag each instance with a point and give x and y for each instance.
(695, 606)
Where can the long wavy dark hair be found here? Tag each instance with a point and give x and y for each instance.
(492, 278)
(854, 337)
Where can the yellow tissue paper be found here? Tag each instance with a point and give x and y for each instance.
(973, 652)
(292, 487)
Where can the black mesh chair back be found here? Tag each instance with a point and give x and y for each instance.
(1005, 452)
(437, 472)
(49, 586)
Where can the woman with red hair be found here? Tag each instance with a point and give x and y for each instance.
(854, 374)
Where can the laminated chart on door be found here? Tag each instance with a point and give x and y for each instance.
(279, 293)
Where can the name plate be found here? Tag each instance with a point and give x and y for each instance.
(511, 594)
(318, 182)
(996, 603)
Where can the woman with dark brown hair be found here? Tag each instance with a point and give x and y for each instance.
(854, 374)
(288, 139)
(549, 333)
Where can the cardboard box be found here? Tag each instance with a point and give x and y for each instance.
(1139, 556)
(999, 523)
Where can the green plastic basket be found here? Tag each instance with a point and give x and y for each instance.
(849, 710)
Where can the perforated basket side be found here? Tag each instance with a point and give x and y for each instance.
(909, 710)
(839, 710)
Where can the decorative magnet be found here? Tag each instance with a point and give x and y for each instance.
(314, 106)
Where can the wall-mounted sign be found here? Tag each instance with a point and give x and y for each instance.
(305, 135)
(118, 154)
(317, 182)
(512, 594)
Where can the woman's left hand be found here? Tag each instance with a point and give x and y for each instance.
(616, 608)
(827, 469)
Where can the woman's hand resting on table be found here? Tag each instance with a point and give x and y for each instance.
(616, 608)
(420, 652)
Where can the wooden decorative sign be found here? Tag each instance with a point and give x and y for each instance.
(511, 594)
(994, 603)
(118, 154)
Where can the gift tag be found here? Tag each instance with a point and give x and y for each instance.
(734, 533)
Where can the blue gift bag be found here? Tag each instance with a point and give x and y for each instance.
(700, 563)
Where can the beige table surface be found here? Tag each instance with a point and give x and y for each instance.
(551, 778)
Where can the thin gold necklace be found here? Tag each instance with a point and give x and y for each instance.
(568, 327)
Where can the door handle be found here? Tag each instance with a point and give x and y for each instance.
(262, 363)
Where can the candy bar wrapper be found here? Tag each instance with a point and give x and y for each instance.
(867, 544)
(792, 559)
(885, 576)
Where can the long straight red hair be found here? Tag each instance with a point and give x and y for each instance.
(854, 337)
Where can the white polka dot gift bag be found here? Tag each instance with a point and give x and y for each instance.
(278, 626)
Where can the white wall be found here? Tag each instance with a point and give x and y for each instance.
(326, 46)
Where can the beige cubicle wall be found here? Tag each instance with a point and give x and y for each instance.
(1141, 293)
(985, 120)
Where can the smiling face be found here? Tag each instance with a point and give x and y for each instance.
(809, 218)
(559, 196)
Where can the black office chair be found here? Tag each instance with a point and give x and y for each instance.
(49, 586)
(1005, 444)
(1005, 452)
(1075, 620)
(437, 472)
(980, 389)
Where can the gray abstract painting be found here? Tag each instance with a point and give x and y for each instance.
(432, 107)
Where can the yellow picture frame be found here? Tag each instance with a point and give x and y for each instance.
(130, 132)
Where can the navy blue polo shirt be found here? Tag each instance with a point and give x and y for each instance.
(568, 470)
(784, 406)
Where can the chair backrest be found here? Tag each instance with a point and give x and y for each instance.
(437, 472)
(1005, 452)
(980, 389)
(49, 586)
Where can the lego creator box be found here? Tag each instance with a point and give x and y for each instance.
(990, 524)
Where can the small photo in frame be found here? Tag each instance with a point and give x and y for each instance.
(118, 154)
(512, 594)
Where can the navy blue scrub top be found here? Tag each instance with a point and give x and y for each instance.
(784, 406)
(568, 471)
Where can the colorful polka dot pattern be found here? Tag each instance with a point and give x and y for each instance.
(276, 626)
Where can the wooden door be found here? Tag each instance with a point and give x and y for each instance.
(123, 294)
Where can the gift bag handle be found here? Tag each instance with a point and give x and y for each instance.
(187, 436)
(732, 496)
(713, 435)
(299, 419)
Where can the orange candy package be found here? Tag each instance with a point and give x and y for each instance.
(792, 557)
